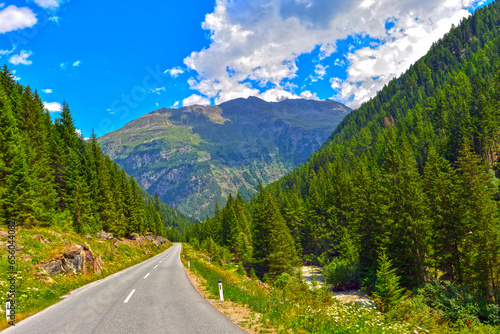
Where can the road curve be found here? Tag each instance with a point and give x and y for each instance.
(154, 296)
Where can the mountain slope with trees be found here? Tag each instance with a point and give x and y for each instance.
(409, 181)
(51, 176)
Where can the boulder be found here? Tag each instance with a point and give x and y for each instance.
(75, 260)
(105, 235)
(94, 262)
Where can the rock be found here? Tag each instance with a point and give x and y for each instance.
(94, 263)
(264, 285)
(105, 235)
(150, 236)
(88, 237)
(53, 267)
(75, 260)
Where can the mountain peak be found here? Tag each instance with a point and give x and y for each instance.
(195, 156)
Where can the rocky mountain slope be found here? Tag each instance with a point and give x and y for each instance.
(195, 156)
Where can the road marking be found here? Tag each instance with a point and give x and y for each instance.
(130, 295)
(155, 267)
(147, 275)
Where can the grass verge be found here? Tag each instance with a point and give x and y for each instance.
(36, 290)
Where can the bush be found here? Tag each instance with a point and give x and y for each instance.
(459, 304)
(492, 315)
(283, 280)
(342, 273)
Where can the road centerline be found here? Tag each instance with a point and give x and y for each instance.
(147, 275)
(130, 295)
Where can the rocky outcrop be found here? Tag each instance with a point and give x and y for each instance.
(75, 259)
(158, 241)
(195, 156)
(105, 235)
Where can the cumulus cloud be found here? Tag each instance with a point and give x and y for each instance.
(47, 91)
(175, 71)
(52, 106)
(195, 99)
(21, 58)
(49, 4)
(77, 63)
(257, 43)
(176, 104)
(14, 18)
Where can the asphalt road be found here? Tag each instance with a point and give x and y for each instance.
(154, 296)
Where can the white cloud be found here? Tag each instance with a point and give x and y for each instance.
(196, 99)
(14, 18)
(47, 91)
(16, 78)
(49, 4)
(6, 52)
(176, 104)
(157, 104)
(52, 106)
(175, 71)
(54, 19)
(157, 90)
(78, 132)
(259, 42)
(2, 5)
(309, 96)
(335, 83)
(63, 65)
(319, 73)
(77, 63)
(21, 58)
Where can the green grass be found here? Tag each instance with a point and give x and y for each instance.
(36, 290)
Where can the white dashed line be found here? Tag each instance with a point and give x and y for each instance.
(155, 267)
(147, 275)
(130, 295)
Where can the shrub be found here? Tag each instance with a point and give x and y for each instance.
(283, 280)
(343, 273)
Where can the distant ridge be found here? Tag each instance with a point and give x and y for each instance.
(195, 156)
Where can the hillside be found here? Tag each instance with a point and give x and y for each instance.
(195, 156)
(404, 194)
(50, 176)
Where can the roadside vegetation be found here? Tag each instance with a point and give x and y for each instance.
(290, 306)
(36, 290)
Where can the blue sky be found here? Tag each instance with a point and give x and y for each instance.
(115, 61)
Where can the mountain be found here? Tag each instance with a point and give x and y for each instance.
(195, 156)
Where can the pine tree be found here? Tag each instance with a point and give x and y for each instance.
(387, 289)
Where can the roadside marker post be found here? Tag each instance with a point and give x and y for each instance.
(189, 264)
(7, 309)
(220, 291)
